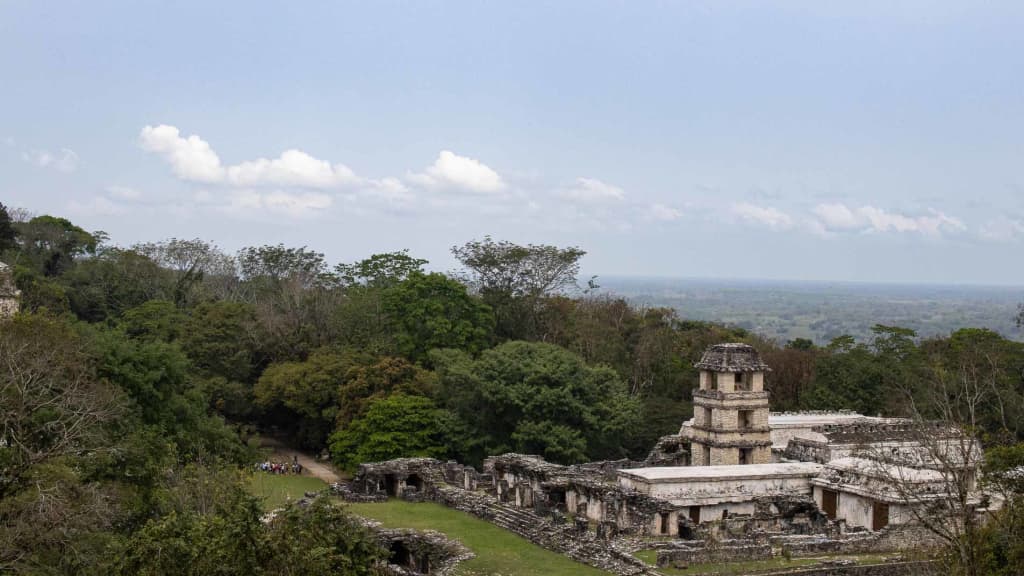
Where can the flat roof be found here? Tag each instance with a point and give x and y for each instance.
(887, 470)
(821, 418)
(707, 473)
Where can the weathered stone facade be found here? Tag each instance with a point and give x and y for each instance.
(730, 409)
(9, 294)
(690, 488)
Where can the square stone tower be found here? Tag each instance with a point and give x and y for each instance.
(730, 409)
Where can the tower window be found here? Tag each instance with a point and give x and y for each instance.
(742, 381)
(746, 418)
(746, 456)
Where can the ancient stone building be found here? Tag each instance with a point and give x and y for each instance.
(730, 422)
(736, 483)
(9, 295)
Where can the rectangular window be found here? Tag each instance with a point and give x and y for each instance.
(746, 419)
(708, 418)
(707, 455)
(743, 382)
(829, 503)
(746, 456)
(879, 515)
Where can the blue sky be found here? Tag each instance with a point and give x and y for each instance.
(866, 141)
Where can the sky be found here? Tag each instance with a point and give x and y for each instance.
(801, 140)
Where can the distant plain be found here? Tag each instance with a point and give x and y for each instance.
(821, 311)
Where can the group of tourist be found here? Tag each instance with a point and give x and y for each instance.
(275, 467)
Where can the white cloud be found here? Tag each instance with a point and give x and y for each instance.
(291, 168)
(870, 219)
(296, 205)
(9, 141)
(1002, 229)
(451, 171)
(836, 217)
(191, 158)
(592, 190)
(123, 192)
(663, 213)
(762, 215)
(390, 191)
(65, 160)
(97, 206)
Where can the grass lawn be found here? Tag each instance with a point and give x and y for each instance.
(278, 489)
(738, 568)
(498, 551)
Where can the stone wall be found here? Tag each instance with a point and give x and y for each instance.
(923, 568)
(892, 538)
(9, 294)
(416, 552)
(682, 557)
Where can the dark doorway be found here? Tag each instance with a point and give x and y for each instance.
(695, 514)
(557, 498)
(879, 515)
(663, 528)
(685, 531)
(390, 485)
(829, 500)
(415, 481)
(400, 555)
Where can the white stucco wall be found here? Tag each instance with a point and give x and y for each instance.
(710, 485)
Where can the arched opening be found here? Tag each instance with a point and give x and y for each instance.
(414, 481)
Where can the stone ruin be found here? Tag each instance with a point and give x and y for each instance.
(9, 294)
(600, 513)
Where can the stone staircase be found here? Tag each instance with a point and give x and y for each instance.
(564, 538)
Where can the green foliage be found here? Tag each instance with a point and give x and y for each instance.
(155, 377)
(229, 539)
(515, 393)
(7, 231)
(218, 338)
(309, 391)
(113, 281)
(393, 427)
(433, 311)
(56, 417)
(51, 244)
(512, 279)
(379, 270)
(366, 383)
(158, 320)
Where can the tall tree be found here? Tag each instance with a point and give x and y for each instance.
(190, 262)
(7, 231)
(51, 244)
(433, 311)
(539, 397)
(397, 426)
(513, 279)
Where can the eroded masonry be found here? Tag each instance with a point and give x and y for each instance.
(736, 483)
(9, 294)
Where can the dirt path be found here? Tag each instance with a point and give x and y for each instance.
(310, 466)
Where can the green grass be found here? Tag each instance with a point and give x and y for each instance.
(277, 489)
(738, 568)
(498, 551)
